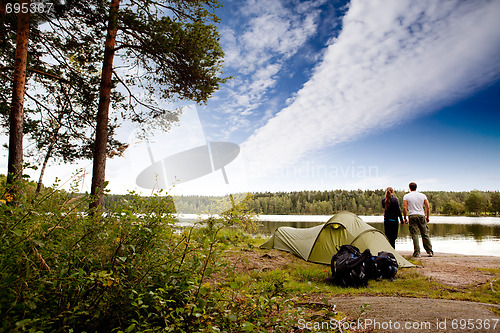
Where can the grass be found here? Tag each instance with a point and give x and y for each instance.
(301, 277)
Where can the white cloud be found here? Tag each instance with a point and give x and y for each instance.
(268, 33)
(393, 60)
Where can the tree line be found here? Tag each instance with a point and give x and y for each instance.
(361, 202)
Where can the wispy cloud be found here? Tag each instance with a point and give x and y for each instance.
(273, 32)
(268, 33)
(392, 61)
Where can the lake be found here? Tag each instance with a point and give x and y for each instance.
(449, 234)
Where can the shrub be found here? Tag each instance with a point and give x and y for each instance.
(64, 269)
(130, 269)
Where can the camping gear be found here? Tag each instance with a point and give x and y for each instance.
(318, 244)
(350, 268)
(383, 266)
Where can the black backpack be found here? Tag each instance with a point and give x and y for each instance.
(349, 267)
(383, 266)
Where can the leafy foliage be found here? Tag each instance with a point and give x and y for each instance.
(366, 202)
(62, 268)
(129, 270)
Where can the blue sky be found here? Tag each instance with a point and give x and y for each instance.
(345, 95)
(365, 94)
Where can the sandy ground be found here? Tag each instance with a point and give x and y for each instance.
(457, 270)
(400, 314)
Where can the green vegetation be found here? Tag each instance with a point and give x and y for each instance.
(130, 269)
(359, 202)
(133, 270)
(308, 279)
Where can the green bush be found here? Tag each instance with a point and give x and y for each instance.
(64, 269)
(128, 269)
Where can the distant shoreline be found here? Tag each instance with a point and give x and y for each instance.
(487, 220)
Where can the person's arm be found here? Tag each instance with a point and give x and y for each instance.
(427, 209)
(399, 213)
(405, 209)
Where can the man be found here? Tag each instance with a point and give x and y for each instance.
(413, 204)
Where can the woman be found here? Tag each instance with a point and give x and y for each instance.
(391, 215)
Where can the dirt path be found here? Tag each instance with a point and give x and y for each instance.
(457, 270)
(399, 314)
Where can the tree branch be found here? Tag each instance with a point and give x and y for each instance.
(33, 70)
(132, 96)
(129, 46)
(48, 75)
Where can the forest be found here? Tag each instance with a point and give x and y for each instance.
(361, 202)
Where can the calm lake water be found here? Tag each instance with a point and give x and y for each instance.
(449, 234)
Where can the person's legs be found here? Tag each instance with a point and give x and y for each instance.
(391, 231)
(426, 240)
(414, 229)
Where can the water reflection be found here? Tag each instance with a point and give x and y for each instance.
(474, 239)
(476, 236)
(478, 232)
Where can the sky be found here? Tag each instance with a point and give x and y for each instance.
(332, 95)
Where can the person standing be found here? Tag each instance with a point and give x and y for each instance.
(391, 215)
(413, 204)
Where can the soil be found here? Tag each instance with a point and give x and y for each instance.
(402, 314)
(457, 270)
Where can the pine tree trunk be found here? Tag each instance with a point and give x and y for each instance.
(101, 139)
(3, 12)
(15, 162)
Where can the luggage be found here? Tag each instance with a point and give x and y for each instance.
(350, 268)
(383, 266)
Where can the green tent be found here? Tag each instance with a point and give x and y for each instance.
(318, 244)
